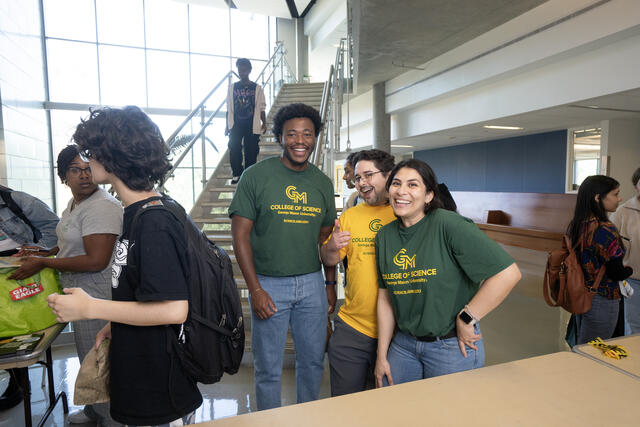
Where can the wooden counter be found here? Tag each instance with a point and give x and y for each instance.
(537, 240)
(550, 390)
(629, 365)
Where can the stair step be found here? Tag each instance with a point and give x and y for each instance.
(218, 220)
(217, 204)
(229, 189)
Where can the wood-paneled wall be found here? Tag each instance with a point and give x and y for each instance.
(533, 220)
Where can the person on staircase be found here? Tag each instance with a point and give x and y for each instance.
(282, 210)
(246, 120)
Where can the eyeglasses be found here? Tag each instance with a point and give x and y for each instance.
(78, 171)
(366, 175)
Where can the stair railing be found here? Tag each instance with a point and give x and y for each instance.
(274, 74)
(331, 110)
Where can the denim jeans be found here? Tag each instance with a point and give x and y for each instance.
(632, 309)
(251, 148)
(302, 304)
(600, 321)
(412, 360)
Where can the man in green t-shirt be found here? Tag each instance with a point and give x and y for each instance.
(282, 210)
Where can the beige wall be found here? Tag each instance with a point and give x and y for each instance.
(622, 141)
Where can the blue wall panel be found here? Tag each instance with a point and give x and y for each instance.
(528, 164)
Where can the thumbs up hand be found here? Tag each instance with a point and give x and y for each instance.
(339, 239)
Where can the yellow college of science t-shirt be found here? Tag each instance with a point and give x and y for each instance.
(361, 294)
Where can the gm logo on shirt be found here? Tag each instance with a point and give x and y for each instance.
(295, 197)
(403, 260)
(375, 225)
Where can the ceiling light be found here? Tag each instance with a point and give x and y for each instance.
(401, 146)
(502, 127)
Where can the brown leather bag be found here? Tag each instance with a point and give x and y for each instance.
(564, 284)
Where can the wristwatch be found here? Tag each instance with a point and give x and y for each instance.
(466, 318)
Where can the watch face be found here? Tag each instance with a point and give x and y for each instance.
(464, 316)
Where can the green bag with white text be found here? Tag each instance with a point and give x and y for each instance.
(23, 303)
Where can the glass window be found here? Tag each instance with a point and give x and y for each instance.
(166, 25)
(585, 155)
(206, 72)
(168, 79)
(120, 22)
(209, 30)
(73, 72)
(122, 85)
(249, 35)
(70, 19)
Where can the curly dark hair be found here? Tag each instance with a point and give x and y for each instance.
(383, 160)
(65, 157)
(244, 61)
(352, 158)
(295, 111)
(127, 143)
(428, 178)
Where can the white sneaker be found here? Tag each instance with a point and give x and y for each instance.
(235, 180)
(79, 417)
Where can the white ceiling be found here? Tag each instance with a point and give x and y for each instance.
(624, 105)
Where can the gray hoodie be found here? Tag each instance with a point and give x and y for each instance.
(627, 220)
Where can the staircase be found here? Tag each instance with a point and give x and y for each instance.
(210, 211)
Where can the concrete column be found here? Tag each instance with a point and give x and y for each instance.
(381, 120)
(302, 51)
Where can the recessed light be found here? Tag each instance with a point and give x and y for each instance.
(401, 146)
(503, 127)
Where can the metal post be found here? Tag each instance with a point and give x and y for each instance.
(204, 149)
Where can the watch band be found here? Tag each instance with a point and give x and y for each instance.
(330, 282)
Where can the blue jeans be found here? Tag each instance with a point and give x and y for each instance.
(302, 304)
(600, 321)
(413, 360)
(632, 309)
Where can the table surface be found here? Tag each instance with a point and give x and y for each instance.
(629, 365)
(24, 360)
(556, 389)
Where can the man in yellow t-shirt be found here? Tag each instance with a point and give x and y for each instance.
(352, 348)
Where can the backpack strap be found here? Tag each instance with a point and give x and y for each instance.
(17, 211)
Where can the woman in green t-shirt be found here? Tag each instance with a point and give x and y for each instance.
(431, 263)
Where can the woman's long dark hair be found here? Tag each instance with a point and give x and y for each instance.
(586, 204)
(428, 178)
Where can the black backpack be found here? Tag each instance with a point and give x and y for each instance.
(5, 194)
(211, 341)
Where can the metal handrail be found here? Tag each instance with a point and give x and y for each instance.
(331, 113)
(276, 61)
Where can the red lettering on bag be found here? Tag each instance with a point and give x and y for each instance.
(27, 291)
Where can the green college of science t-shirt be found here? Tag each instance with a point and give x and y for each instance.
(433, 268)
(288, 209)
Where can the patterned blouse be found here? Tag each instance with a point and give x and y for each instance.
(602, 243)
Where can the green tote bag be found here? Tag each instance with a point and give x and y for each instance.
(23, 303)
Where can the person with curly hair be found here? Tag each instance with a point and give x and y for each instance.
(283, 208)
(87, 234)
(246, 119)
(148, 385)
